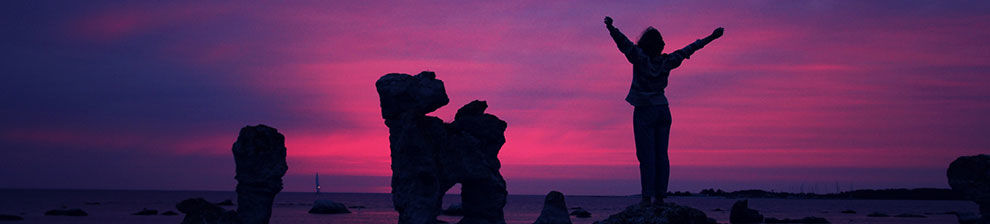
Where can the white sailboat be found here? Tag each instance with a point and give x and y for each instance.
(317, 183)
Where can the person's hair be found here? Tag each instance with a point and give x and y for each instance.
(651, 42)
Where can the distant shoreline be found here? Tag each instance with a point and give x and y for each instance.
(865, 194)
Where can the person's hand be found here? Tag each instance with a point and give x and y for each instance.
(608, 20)
(718, 32)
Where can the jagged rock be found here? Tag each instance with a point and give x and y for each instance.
(414, 95)
(454, 210)
(200, 211)
(429, 157)
(810, 219)
(5, 217)
(146, 211)
(877, 214)
(668, 213)
(259, 154)
(848, 211)
(741, 213)
(970, 176)
(328, 207)
(227, 202)
(554, 210)
(169, 213)
(66, 212)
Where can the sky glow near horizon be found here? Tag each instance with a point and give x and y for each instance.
(798, 95)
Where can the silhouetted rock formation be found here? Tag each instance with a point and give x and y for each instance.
(227, 202)
(200, 211)
(66, 212)
(429, 156)
(668, 213)
(741, 213)
(146, 212)
(4, 217)
(454, 210)
(970, 176)
(259, 154)
(810, 219)
(554, 210)
(581, 213)
(328, 207)
(169, 213)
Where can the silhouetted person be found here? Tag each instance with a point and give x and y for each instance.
(651, 116)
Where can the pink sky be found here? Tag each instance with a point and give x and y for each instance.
(867, 95)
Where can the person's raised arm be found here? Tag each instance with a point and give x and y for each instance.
(621, 41)
(686, 52)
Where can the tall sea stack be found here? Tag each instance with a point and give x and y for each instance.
(430, 156)
(259, 154)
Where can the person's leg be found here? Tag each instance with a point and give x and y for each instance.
(663, 162)
(644, 132)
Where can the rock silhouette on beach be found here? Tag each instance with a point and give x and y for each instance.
(146, 212)
(66, 212)
(170, 213)
(668, 213)
(200, 211)
(4, 217)
(430, 156)
(227, 202)
(741, 213)
(581, 213)
(554, 210)
(970, 176)
(328, 207)
(259, 154)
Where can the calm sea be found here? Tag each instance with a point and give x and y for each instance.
(116, 206)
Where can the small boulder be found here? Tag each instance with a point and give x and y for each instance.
(66, 212)
(581, 213)
(810, 219)
(328, 207)
(200, 211)
(877, 214)
(169, 213)
(5, 217)
(554, 210)
(146, 211)
(454, 210)
(848, 211)
(741, 213)
(668, 213)
(227, 202)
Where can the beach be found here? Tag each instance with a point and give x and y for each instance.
(116, 206)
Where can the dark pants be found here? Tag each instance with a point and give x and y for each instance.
(651, 125)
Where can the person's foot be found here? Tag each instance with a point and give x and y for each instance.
(645, 202)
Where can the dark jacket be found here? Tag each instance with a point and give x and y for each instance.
(650, 73)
